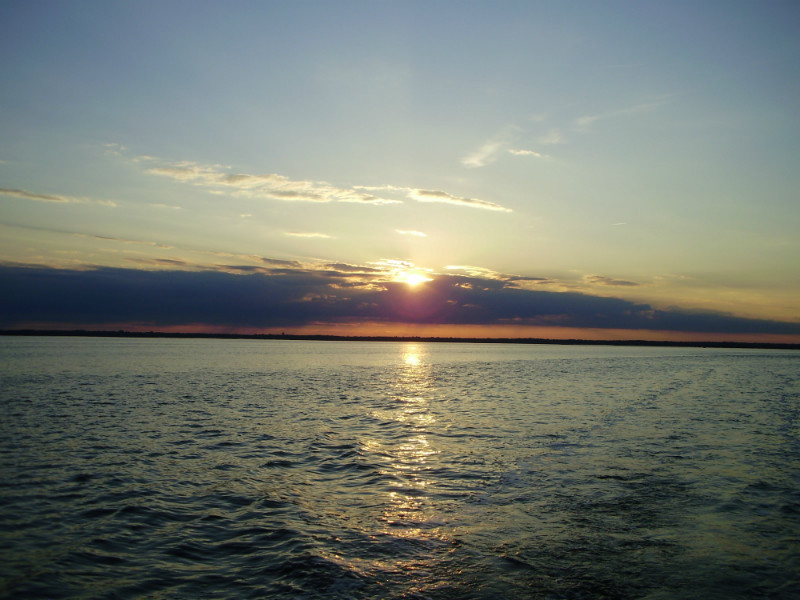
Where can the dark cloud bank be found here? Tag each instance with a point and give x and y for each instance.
(285, 297)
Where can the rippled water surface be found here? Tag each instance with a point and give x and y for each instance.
(220, 468)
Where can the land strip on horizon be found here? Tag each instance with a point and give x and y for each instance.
(358, 338)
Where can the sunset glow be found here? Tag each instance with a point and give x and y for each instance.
(517, 167)
(413, 278)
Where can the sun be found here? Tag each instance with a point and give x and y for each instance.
(413, 278)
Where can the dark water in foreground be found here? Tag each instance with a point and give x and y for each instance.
(221, 468)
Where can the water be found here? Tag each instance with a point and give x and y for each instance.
(220, 468)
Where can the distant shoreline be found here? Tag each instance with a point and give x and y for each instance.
(360, 338)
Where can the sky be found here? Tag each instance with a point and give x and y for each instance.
(599, 170)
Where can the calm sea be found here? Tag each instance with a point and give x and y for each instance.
(252, 469)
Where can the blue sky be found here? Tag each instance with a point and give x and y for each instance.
(642, 152)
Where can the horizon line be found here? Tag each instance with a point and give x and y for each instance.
(387, 338)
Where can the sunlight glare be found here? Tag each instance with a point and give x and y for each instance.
(413, 278)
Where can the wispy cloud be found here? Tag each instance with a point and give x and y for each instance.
(554, 136)
(438, 196)
(307, 234)
(108, 238)
(217, 180)
(602, 280)
(470, 270)
(489, 150)
(166, 206)
(42, 197)
(527, 153)
(382, 188)
(484, 155)
(392, 263)
(161, 262)
(500, 143)
(53, 198)
(115, 149)
(347, 268)
(505, 278)
(584, 122)
(270, 185)
(445, 198)
(410, 232)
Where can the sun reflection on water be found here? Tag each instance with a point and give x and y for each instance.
(411, 356)
(408, 457)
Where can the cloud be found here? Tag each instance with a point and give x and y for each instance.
(278, 262)
(271, 185)
(382, 188)
(538, 280)
(601, 280)
(411, 232)
(585, 121)
(54, 198)
(445, 198)
(346, 268)
(554, 136)
(438, 196)
(42, 197)
(115, 149)
(309, 234)
(250, 297)
(393, 264)
(491, 149)
(488, 152)
(161, 262)
(166, 206)
(527, 153)
(470, 270)
(484, 155)
(217, 180)
(123, 240)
